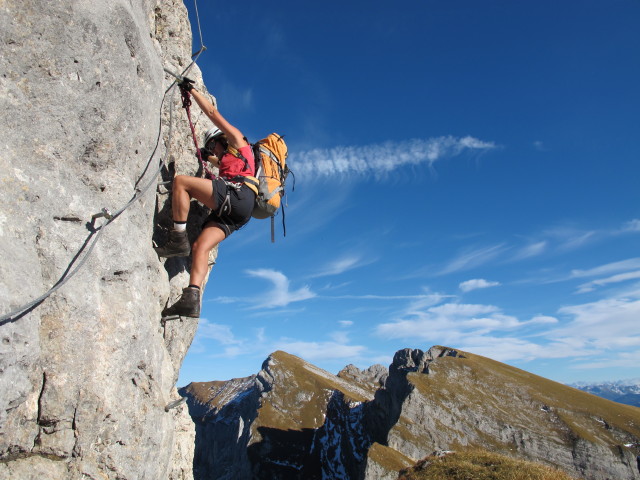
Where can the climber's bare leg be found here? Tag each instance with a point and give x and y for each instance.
(210, 236)
(184, 189)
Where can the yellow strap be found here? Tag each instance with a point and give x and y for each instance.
(251, 185)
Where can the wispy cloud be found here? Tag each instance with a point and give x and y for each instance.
(632, 226)
(341, 265)
(620, 277)
(280, 295)
(447, 322)
(316, 351)
(608, 268)
(531, 250)
(607, 328)
(542, 319)
(429, 298)
(216, 331)
(538, 145)
(476, 284)
(578, 241)
(207, 331)
(380, 159)
(473, 258)
(610, 323)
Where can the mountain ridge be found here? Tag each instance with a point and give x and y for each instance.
(621, 391)
(294, 420)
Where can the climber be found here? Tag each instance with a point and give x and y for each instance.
(230, 200)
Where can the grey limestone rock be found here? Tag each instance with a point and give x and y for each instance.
(372, 377)
(85, 375)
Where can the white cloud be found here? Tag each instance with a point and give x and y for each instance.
(341, 265)
(621, 277)
(431, 298)
(578, 241)
(607, 330)
(569, 238)
(447, 323)
(208, 331)
(473, 258)
(542, 320)
(280, 295)
(610, 323)
(340, 337)
(624, 359)
(632, 226)
(609, 268)
(531, 250)
(509, 349)
(477, 283)
(345, 323)
(315, 351)
(382, 158)
(216, 331)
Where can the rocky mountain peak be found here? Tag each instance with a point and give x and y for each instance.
(369, 424)
(416, 360)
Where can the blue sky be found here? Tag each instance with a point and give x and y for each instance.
(467, 174)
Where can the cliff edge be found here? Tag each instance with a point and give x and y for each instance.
(87, 115)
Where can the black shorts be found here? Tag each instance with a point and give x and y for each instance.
(233, 206)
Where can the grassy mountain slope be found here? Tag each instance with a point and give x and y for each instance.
(479, 465)
(470, 400)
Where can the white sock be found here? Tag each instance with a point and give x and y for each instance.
(180, 226)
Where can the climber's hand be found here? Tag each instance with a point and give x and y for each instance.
(186, 84)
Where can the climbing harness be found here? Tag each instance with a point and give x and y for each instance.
(21, 311)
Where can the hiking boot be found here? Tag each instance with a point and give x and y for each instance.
(188, 305)
(177, 245)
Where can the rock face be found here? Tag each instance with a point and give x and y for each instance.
(85, 114)
(293, 420)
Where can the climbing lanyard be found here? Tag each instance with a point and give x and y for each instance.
(186, 104)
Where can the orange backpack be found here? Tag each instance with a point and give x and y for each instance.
(271, 172)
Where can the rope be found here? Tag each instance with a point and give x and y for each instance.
(186, 104)
(68, 273)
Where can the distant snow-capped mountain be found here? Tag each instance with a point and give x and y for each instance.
(621, 391)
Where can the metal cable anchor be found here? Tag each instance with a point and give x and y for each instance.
(103, 213)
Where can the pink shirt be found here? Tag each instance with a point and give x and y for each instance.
(232, 166)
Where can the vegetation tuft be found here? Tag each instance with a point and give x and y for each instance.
(480, 464)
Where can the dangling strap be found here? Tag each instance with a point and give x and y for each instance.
(273, 229)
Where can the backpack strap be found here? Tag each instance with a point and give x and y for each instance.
(252, 183)
(236, 153)
(271, 155)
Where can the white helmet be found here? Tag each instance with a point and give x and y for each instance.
(211, 134)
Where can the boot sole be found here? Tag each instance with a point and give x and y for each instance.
(173, 254)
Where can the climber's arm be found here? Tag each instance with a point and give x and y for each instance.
(234, 136)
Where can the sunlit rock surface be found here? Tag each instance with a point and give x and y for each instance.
(85, 376)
